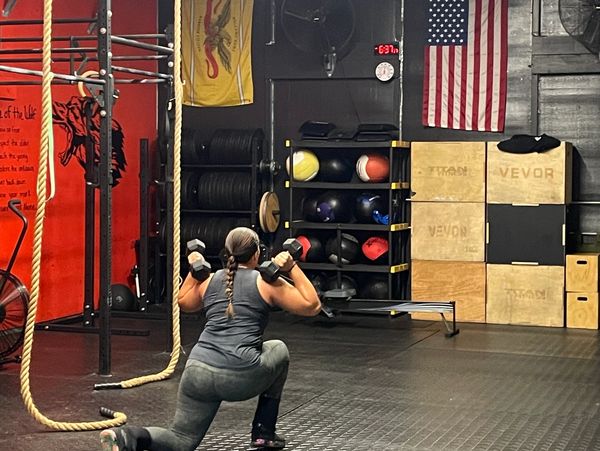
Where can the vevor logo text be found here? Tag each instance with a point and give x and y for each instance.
(448, 231)
(527, 173)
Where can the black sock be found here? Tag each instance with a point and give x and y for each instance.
(266, 413)
(142, 437)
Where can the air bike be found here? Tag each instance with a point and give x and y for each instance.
(14, 299)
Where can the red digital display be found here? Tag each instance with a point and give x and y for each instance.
(386, 49)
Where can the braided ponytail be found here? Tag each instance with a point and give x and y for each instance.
(232, 266)
(240, 245)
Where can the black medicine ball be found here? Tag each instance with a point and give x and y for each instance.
(348, 283)
(332, 207)
(348, 248)
(370, 208)
(123, 298)
(336, 170)
(376, 287)
(309, 209)
(319, 281)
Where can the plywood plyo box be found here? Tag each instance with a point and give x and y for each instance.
(448, 231)
(462, 282)
(582, 310)
(525, 295)
(538, 178)
(448, 171)
(582, 272)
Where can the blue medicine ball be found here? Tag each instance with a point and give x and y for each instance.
(371, 208)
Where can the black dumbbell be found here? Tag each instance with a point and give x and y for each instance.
(200, 269)
(270, 271)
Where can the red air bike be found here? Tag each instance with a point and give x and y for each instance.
(14, 299)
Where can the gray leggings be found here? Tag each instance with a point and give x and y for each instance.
(203, 387)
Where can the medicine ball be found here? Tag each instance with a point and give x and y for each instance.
(319, 281)
(305, 165)
(123, 298)
(309, 209)
(336, 170)
(376, 249)
(312, 249)
(376, 287)
(348, 247)
(373, 168)
(371, 208)
(348, 283)
(332, 207)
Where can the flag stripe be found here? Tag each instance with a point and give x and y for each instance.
(465, 65)
(463, 89)
(495, 87)
(476, 66)
(450, 99)
(432, 86)
(426, 78)
(438, 85)
(503, 44)
(489, 93)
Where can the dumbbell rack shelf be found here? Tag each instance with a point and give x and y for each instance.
(219, 212)
(397, 187)
(333, 185)
(298, 224)
(216, 166)
(355, 267)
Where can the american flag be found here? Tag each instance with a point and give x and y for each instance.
(466, 53)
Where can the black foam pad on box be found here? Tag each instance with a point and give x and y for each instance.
(316, 129)
(528, 144)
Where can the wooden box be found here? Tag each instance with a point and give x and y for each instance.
(526, 295)
(448, 171)
(582, 310)
(448, 231)
(462, 282)
(539, 178)
(526, 234)
(582, 272)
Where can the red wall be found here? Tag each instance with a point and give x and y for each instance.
(135, 111)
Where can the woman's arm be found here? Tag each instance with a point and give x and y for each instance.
(301, 298)
(192, 291)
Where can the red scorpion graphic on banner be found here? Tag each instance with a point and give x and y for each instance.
(217, 38)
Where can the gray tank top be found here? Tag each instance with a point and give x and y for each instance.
(232, 343)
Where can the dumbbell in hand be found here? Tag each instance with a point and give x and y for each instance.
(200, 268)
(270, 271)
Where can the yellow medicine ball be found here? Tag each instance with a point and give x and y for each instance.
(306, 165)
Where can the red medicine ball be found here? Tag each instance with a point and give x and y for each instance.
(373, 168)
(375, 248)
(312, 249)
(305, 242)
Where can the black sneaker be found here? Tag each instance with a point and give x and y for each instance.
(116, 439)
(263, 438)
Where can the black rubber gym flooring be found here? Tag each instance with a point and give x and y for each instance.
(354, 384)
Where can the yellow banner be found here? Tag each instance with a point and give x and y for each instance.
(216, 52)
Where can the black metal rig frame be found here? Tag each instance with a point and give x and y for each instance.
(102, 180)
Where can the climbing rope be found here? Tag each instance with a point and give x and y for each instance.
(45, 143)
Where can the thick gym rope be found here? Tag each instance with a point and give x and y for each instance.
(45, 142)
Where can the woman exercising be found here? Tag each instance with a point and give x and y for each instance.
(230, 362)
